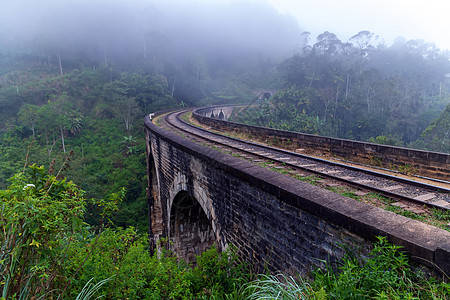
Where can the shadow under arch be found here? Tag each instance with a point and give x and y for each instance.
(155, 212)
(190, 230)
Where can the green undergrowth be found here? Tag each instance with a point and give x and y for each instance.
(123, 255)
(187, 117)
(49, 252)
(385, 273)
(343, 191)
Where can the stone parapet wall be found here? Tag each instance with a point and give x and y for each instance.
(425, 163)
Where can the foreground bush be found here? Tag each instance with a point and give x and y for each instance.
(385, 274)
(48, 252)
(39, 214)
(123, 255)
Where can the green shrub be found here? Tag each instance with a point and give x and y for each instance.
(218, 273)
(121, 254)
(39, 213)
(385, 274)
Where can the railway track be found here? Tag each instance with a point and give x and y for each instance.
(407, 194)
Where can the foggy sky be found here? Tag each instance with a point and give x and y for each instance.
(412, 19)
(121, 26)
(231, 27)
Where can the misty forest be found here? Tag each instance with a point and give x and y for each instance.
(76, 81)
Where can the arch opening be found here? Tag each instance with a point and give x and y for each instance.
(221, 115)
(267, 95)
(191, 232)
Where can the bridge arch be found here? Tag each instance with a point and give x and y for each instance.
(190, 229)
(264, 94)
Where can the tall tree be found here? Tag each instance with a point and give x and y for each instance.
(28, 115)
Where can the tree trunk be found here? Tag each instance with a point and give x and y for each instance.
(173, 89)
(336, 100)
(127, 123)
(62, 139)
(368, 101)
(60, 64)
(347, 87)
(312, 78)
(50, 149)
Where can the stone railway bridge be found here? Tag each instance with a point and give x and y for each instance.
(198, 196)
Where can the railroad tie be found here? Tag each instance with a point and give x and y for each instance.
(393, 188)
(412, 208)
(425, 197)
(442, 203)
(360, 193)
(333, 172)
(364, 181)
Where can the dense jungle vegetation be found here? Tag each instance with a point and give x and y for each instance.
(397, 95)
(73, 212)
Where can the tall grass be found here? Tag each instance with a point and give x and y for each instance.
(279, 287)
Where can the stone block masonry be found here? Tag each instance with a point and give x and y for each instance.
(274, 220)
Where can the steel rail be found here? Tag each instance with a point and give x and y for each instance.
(383, 192)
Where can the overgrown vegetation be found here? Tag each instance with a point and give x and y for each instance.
(41, 214)
(47, 251)
(385, 274)
(362, 90)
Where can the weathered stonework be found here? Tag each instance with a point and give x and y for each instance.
(275, 221)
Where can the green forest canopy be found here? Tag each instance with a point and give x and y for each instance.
(359, 90)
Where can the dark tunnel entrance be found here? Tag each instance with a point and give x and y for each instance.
(190, 230)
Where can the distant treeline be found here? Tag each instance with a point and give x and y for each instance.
(363, 90)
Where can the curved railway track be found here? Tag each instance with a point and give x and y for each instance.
(407, 193)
